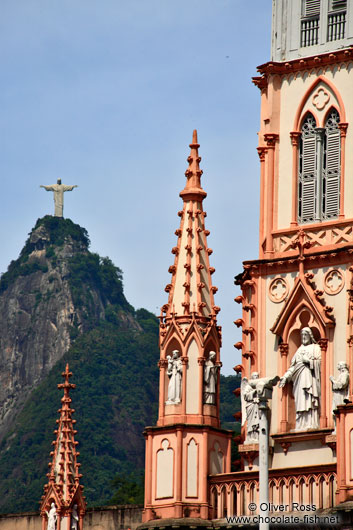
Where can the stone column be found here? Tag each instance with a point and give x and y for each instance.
(343, 130)
(184, 360)
(295, 138)
(284, 402)
(262, 155)
(263, 460)
(270, 139)
(162, 363)
(201, 363)
(179, 472)
(323, 416)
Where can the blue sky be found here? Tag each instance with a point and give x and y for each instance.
(105, 94)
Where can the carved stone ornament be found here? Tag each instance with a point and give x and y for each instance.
(278, 290)
(321, 98)
(333, 282)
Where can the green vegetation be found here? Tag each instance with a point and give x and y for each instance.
(89, 272)
(59, 230)
(128, 489)
(55, 231)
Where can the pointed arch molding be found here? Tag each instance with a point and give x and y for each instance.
(321, 79)
(185, 332)
(301, 297)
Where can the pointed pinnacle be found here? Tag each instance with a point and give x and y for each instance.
(193, 189)
(194, 137)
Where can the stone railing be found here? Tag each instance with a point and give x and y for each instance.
(231, 494)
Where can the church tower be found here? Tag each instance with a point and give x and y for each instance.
(303, 277)
(63, 505)
(187, 443)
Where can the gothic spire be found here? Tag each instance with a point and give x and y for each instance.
(191, 290)
(64, 487)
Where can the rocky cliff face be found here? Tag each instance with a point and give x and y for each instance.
(54, 291)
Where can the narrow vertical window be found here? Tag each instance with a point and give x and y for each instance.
(310, 23)
(307, 171)
(331, 167)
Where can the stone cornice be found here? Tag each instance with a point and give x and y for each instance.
(302, 64)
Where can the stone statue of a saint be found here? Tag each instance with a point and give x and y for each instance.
(174, 372)
(305, 373)
(340, 387)
(210, 374)
(250, 409)
(74, 518)
(59, 190)
(52, 517)
(254, 390)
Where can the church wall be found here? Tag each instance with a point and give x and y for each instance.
(307, 453)
(105, 518)
(292, 91)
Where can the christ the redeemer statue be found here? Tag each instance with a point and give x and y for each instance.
(58, 190)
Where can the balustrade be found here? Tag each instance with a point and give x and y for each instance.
(231, 494)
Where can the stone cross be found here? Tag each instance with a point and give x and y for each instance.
(59, 190)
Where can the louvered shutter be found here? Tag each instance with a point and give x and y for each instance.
(338, 4)
(307, 176)
(332, 163)
(311, 8)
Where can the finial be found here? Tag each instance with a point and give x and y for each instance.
(66, 375)
(194, 139)
(193, 189)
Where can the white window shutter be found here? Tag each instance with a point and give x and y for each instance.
(338, 4)
(311, 8)
(308, 201)
(308, 172)
(332, 165)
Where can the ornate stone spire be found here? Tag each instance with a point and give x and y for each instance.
(191, 290)
(188, 444)
(63, 488)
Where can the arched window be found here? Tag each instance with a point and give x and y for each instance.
(319, 169)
